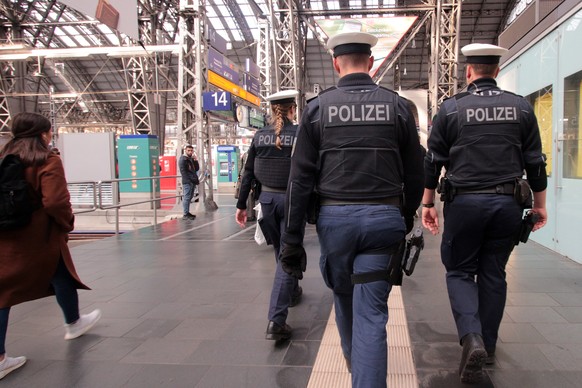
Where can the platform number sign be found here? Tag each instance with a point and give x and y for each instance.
(216, 101)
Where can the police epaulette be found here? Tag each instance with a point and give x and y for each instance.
(325, 91)
(513, 94)
(459, 95)
(390, 90)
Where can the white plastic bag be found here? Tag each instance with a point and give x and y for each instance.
(259, 236)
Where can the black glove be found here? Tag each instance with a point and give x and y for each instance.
(294, 260)
(409, 223)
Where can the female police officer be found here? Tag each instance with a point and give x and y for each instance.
(268, 161)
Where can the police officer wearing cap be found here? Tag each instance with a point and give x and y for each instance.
(358, 147)
(268, 161)
(485, 138)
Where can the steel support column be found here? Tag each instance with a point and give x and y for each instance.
(136, 82)
(264, 59)
(191, 81)
(445, 32)
(4, 107)
(287, 35)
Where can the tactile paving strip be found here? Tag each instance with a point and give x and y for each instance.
(329, 370)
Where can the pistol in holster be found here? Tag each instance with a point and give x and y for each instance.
(527, 224)
(414, 245)
(255, 189)
(446, 190)
(522, 193)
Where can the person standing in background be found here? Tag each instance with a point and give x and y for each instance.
(189, 167)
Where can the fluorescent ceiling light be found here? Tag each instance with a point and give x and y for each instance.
(66, 55)
(64, 95)
(19, 46)
(14, 57)
(132, 53)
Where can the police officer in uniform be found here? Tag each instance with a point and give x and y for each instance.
(485, 138)
(357, 145)
(268, 161)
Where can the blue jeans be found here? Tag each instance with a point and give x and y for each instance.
(67, 298)
(356, 239)
(188, 193)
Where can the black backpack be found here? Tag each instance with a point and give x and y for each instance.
(16, 194)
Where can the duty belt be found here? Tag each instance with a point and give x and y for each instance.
(273, 189)
(395, 201)
(503, 188)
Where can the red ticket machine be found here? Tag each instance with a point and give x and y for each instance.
(168, 168)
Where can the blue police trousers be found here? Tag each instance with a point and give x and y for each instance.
(356, 239)
(477, 240)
(284, 285)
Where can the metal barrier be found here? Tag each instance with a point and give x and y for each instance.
(104, 195)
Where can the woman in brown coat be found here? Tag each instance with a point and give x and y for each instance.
(35, 261)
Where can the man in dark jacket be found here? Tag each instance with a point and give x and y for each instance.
(189, 167)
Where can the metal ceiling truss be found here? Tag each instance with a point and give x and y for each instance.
(442, 17)
(50, 16)
(399, 49)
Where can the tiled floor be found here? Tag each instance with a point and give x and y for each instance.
(540, 344)
(185, 302)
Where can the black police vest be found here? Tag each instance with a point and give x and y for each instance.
(487, 150)
(359, 154)
(272, 165)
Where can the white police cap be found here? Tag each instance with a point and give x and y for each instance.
(283, 97)
(483, 53)
(351, 43)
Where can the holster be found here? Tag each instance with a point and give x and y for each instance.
(255, 189)
(523, 194)
(392, 274)
(446, 190)
(527, 224)
(412, 252)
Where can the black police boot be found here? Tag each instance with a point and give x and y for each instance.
(490, 360)
(276, 332)
(474, 355)
(296, 297)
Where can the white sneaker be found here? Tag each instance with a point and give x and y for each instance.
(9, 364)
(83, 325)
